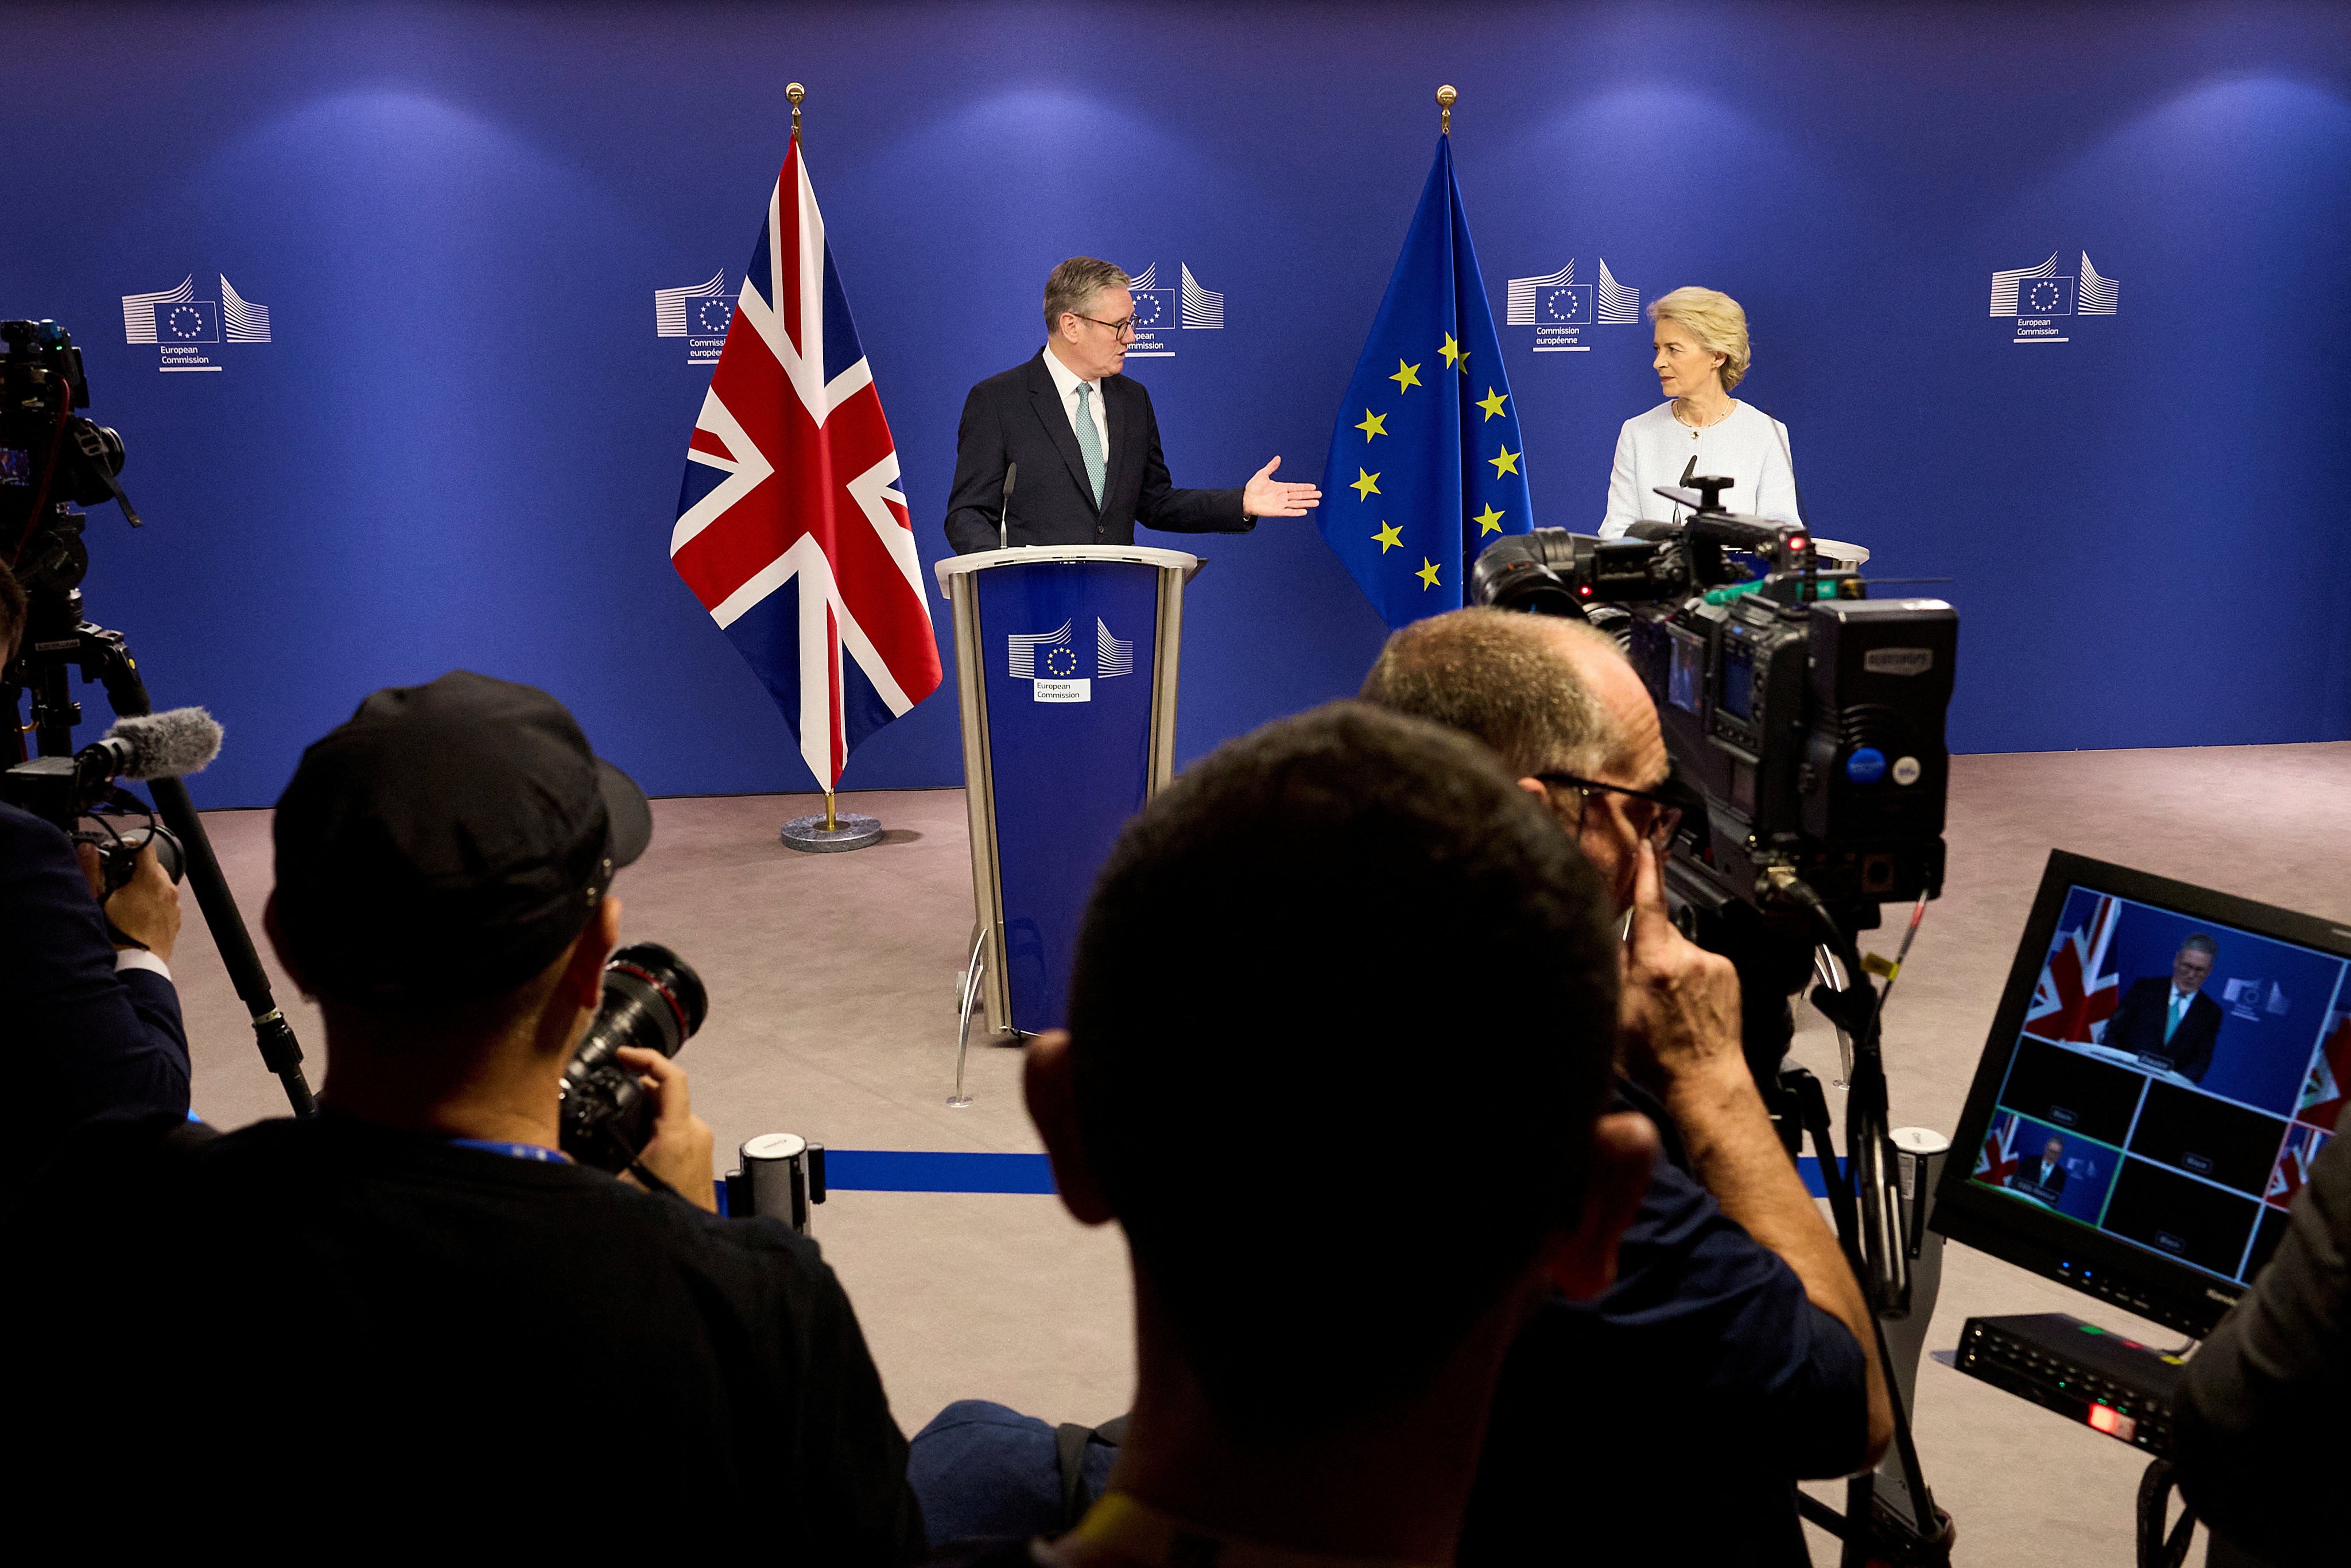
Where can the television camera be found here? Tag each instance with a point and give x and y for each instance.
(52, 460)
(1804, 723)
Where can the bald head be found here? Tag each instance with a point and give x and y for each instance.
(1546, 695)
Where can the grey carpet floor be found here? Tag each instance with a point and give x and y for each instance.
(832, 1015)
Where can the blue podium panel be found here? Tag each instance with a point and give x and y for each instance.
(1068, 654)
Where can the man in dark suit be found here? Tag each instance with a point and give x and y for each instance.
(2042, 1178)
(93, 1021)
(1085, 440)
(2171, 1023)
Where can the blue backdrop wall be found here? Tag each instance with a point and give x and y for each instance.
(461, 443)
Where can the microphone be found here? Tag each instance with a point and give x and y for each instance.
(1004, 516)
(1688, 469)
(154, 745)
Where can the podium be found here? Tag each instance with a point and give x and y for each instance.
(1065, 675)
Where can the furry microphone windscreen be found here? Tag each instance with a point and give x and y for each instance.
(166, 745)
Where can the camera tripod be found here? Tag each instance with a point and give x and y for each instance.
(56, 642)
(1899, 1526)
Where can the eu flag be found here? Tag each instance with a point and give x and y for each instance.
(1427, 467)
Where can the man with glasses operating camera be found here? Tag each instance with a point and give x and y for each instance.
(1083, 440)
(1670, 1419)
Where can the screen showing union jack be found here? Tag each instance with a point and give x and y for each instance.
(2172, 1082)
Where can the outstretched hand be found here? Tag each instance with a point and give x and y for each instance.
(1678, 1007)
(1265, 496)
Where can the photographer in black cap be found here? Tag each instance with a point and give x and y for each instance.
(412, 1312)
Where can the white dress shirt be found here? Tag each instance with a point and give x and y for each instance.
(1655, 448)
(1068, 382)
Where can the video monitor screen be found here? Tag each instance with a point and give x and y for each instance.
(2164, 1084)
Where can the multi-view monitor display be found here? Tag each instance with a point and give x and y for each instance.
(2172, 1080)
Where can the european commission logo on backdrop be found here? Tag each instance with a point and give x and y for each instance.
(700, 313)
(1563, 310)
(187, 332)
(2045, 301)
(1159, 311)
(1049, 660)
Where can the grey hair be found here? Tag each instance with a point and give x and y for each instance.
(1073, 283)
(1496, 675)
(2202, 943)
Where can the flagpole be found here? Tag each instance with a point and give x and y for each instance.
(1445, 98)
(853, 832)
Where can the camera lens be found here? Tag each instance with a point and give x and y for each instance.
(653, 999)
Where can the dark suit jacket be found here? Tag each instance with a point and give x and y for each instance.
(2137, 1027)
(2028, 1178)
(77, 1039)
(1018, 417)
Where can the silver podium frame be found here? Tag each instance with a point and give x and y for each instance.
(959, 582)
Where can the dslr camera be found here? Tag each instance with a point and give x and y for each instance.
(1804, 719)
(652, 999)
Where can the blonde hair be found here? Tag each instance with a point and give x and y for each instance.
(1715, 319)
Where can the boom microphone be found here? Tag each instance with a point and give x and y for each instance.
(157, 745)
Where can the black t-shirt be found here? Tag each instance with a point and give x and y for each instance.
(332, 1324)
(1669, 1420)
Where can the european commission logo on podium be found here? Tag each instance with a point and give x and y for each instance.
(1563, 310)
(186, 331)
(1159, 311)
(1049, 661)
(2044, 301)
(698, 312)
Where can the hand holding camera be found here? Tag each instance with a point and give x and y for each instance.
(680, 1150)
(146, 909)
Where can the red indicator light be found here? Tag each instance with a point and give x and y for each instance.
(1585, 591)
(2113, 1422)
(1799, 542)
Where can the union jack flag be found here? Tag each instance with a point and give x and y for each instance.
(791, 528)
(2076, 992)
(1998, 1159)
(2328, 1084)
(2292, 1171)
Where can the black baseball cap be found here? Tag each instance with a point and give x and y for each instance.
(447, 842)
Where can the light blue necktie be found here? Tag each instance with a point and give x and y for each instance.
(2179, 1011)
(1090, 440)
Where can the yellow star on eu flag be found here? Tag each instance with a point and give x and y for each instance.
(1453, 352)
(1427, 574)
(1390, 537)
(1374, 424)
(1489, 521)
(1406, 376)
(1508, 463)
(1491, 402)
(1366, 485)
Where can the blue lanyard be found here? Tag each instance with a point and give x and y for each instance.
(513, 1151)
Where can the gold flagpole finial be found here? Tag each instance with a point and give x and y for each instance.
(793, 93)
(1445, 99)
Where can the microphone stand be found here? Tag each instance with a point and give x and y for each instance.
(1004, 514)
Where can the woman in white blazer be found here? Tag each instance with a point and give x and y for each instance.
(1702, 354)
